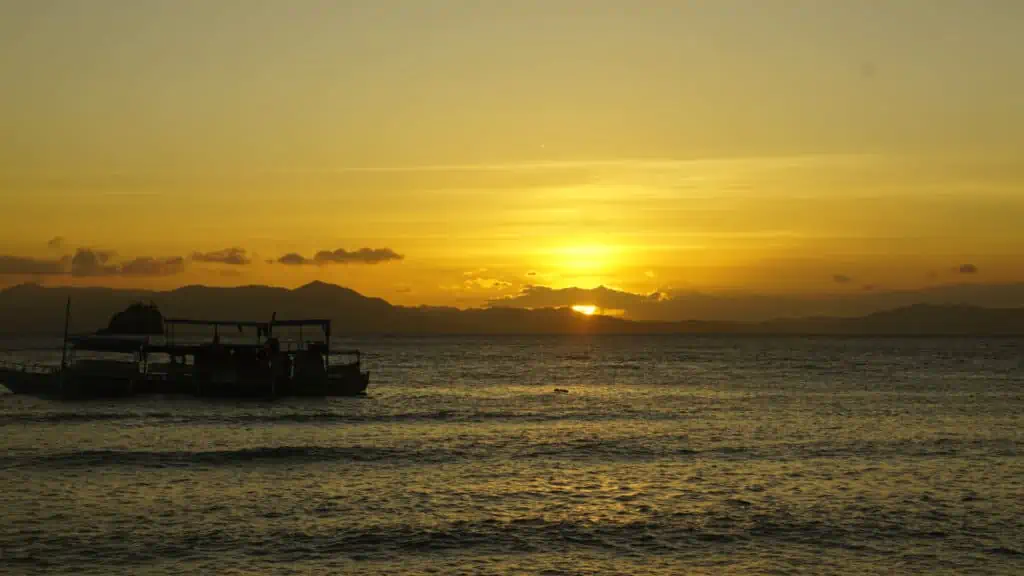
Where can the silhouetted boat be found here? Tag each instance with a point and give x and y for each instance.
(82, 372)
(265, 368)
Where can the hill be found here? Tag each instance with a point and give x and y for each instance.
(30, 309)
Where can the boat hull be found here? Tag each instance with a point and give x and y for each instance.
(87, 386)
(82, 385)
(350, 383)
(234, 386)
(30, 383)
(68, 385)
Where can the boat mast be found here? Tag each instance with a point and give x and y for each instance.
(64, 347)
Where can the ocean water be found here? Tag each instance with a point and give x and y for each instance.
(669, 455)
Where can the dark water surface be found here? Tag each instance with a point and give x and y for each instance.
(668, 456)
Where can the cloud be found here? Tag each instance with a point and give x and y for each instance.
(531, 273)
(56, 243)
(147, 266)
(294, 259)
(17, 266)
(361, 256)
(487, 283)
(602, 297)
(88, 262)
(233, 256)
(842, 279)
(91, 263)
(968, 269)
(342, 256)
(477, 280)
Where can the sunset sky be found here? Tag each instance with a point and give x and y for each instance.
(455, 152)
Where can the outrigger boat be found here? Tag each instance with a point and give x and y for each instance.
(82, 372)
(110, 366)
(267, 367)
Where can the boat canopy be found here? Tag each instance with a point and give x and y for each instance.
(243, 323)
(93, 343)
(263, 327)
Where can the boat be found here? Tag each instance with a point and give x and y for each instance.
(107, 364)
(30, 378)
(264, 368)
(90, 367)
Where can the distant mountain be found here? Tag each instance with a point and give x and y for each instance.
(679, 305)
(31, 309)
(914, 320)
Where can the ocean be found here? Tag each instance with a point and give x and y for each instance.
(668, 455)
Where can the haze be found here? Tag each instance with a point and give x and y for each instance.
(462, 152)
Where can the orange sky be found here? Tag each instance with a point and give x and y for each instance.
(768, 147)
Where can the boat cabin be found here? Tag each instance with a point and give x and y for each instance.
(261, 364)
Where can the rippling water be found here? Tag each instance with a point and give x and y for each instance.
(668, 456)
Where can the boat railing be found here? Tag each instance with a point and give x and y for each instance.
(293, 346)
(344, 358)
(29, 367)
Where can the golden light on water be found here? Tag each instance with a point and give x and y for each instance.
(585, 309)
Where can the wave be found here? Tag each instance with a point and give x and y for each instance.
(635, 449)
(720, 528)
(468, 416)
(73, 417)
(170, 459)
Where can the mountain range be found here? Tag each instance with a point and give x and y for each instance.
(32, 309)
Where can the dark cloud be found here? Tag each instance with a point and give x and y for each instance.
(968, 269)
(56, 243)
(91, 263)
(147, 266)
(88, 262)
(531, 273)
(361, 256)
(232, 256)
(842, 279)
(342, 256)
(18, 266)
(293, 259)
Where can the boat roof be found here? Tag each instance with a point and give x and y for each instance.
(96, 343)
(249, 323)
(194, 348)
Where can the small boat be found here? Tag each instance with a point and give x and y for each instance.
(90, 367)
(30, 378)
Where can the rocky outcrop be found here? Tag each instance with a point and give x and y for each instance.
(137, 319)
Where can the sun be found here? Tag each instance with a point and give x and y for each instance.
(585, 309)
